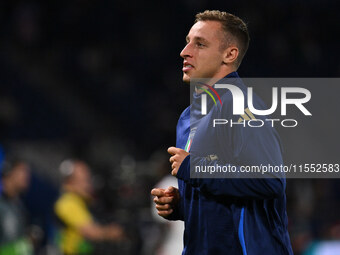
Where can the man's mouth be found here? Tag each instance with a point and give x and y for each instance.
(187, 67)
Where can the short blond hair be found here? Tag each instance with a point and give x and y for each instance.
(234, 28)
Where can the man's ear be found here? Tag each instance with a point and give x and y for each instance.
(230, 55)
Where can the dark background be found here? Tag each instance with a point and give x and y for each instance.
(101, 80)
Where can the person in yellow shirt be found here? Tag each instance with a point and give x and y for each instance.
(78, 226)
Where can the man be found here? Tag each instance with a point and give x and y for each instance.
(13, 237)
(79, 227)
(226, 215)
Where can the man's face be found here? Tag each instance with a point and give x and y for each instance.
(202, 55)
(21, 176)
(81, 180)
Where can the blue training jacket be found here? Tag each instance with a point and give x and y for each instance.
(236, 216)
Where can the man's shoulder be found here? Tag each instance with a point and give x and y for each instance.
(65, 196)
(68, 199)
(186, 113)
(71, 209)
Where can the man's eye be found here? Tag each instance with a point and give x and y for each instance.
(200, 44)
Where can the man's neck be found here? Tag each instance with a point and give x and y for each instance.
(211, 81)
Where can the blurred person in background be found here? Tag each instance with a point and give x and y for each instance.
(79, 228)
(2, 156)
(13, 228)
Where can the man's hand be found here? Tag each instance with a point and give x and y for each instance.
(166, 200)
(178, 155)
(115, 232)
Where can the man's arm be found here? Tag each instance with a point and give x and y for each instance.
(252, 188)
(261, 147)
(74, 215)
(96, 232)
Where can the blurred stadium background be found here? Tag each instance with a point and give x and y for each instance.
(101, 81)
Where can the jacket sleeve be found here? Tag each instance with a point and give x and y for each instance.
(177, 214)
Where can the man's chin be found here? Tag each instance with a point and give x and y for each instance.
(186, 78)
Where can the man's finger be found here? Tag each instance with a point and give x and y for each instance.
(174, 173)
(174, 165)
(173, 150)
(163, 200)
(165, 213)
(172, 159)
(163, 207)
(157, 192)
(170, 190)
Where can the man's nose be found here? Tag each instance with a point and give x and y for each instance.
(186, 52)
